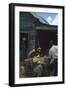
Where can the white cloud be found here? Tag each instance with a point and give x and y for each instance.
(55, 21)
(49, 19)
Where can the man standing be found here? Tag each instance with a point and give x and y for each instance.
(53, 56)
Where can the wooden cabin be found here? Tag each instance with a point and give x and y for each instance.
(35, 32)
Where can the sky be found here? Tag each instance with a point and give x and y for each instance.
(51, 18)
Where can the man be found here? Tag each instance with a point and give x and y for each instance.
(38, 60)
(53, 57)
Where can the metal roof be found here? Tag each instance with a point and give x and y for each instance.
(42, 20)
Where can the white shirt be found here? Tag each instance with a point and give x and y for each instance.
(53, 52)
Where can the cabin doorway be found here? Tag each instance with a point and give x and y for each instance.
(44, 36)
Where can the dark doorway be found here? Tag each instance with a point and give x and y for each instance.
(44, 36)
